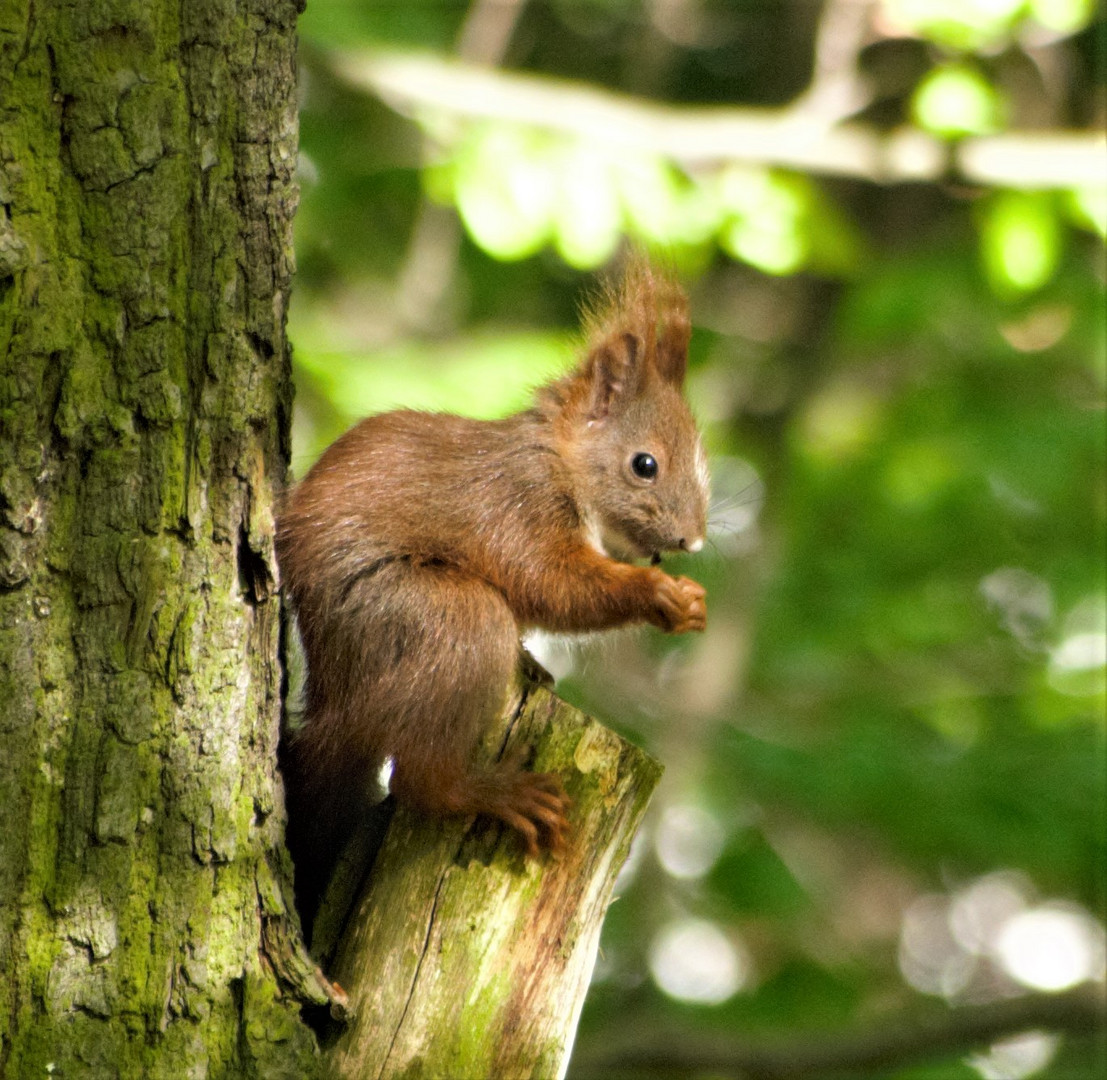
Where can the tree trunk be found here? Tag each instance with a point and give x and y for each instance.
(146, 191)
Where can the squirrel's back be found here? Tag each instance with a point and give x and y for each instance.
(478, 494)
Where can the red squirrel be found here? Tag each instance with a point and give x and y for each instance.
(421, 546)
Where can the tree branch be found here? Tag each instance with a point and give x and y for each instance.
(798, 137)
(910, 1039)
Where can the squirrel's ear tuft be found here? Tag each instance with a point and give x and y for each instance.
(614, 371)
(638, 330)
(672, 345)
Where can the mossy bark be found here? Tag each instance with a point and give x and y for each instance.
(464, 958)
(147, 150)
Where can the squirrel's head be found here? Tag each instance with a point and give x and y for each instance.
(634, 453)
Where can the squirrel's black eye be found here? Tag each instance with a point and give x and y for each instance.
(644, 466)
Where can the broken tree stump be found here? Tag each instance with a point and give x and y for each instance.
(463, 958)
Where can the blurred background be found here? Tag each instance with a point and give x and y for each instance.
(886, 777)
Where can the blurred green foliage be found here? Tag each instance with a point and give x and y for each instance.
(902, 690)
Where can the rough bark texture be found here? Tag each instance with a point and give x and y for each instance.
(462, 958)
(146, 191)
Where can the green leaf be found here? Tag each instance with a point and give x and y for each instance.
(955, 100)
(766, 218)
(661, 206)
(958, 24)
(506, 190)
(1088, 208)
(1063, 16)
(1020, 240)
(587, 215)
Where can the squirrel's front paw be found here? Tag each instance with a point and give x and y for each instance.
(680, 604)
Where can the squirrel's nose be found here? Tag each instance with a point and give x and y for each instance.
(693, 545)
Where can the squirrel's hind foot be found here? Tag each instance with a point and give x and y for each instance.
(533, 804)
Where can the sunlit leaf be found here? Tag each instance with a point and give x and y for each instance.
(661, 206)
(766, 213)
(768, 245)
(959, 24)
(1020, 240)
(1088, 207)
(1064, 16)
(650, 193)
(506, 190)
(588, 219)
(956, 100)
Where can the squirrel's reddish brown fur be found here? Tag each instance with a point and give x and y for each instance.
(421, 545)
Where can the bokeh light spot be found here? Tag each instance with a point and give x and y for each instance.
(693, 960)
